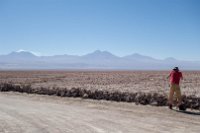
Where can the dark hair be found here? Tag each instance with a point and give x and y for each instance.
(176, 69)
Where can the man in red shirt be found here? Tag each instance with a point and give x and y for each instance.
(175, 77)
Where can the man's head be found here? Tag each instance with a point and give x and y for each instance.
(176, 69)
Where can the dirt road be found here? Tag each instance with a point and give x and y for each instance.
(22, 113)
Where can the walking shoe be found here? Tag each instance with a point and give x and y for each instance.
(170, 106)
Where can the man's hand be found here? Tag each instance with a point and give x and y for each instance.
(168, 77)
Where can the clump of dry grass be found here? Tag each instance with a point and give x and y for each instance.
(154, 99)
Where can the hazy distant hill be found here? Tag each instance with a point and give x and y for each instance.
(96, 60)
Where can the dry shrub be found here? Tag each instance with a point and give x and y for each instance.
(154, 99)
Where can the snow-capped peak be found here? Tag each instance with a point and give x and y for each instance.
(26, 51)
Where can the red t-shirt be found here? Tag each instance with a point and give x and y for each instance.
(175, 77)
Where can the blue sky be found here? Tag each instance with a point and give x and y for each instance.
(157, 28)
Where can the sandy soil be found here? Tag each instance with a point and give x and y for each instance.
(23, 113)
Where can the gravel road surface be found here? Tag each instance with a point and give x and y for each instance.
(23, 113)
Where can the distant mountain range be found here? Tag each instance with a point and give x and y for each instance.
(97, 60)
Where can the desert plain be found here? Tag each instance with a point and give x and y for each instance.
(24, 112)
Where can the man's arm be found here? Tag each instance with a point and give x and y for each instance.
(181, 76)
(168, 76)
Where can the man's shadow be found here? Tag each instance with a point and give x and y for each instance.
(188, 112)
